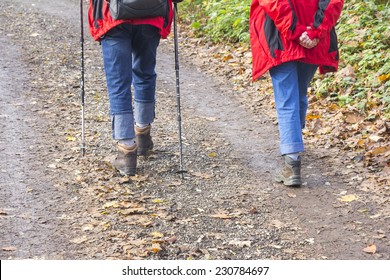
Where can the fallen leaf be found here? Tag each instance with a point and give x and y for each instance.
(132, 211)
(378, 151)
(376, 138)
(126, 204)
(221, 216)
(384, 78)
(370, 249)
(114, 204)
(156, 248)
(353, 118)
(87, 227)
(70, 138)
(171, 239)
(213, 154)
(79, 240)
(9, 249)
(227, 57)
(139, 178)
(203, 175)
(310, 117)
(253, 210)
(277, 223)
(157, 234)
(348, 198)
(310, 240)
(240, 244)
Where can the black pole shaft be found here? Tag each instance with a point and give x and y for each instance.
(178, 87)
(82, 78)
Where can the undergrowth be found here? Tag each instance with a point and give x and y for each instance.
(364, 40)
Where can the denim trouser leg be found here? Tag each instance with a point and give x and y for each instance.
(290, 82)
(144, 75)
(305, 75)
(129, 49)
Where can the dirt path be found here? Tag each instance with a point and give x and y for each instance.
(56, 204)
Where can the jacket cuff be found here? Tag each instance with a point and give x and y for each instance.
(313, 34)
(297, 32)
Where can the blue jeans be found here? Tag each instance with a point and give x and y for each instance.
(290, 82)
(129, 57)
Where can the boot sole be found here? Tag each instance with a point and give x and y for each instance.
(128, 173)
(293, 181)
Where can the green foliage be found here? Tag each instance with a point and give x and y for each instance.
(364, 36)
(219, 20)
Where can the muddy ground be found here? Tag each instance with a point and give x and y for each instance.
(57, 204)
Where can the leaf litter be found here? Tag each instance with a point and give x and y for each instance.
(122, 214)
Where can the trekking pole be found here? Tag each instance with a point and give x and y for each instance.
(181, 171)
(82, 79)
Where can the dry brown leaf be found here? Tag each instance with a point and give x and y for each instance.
(114, 204)
(157, 234)
(227, 57)
(310, 117)
(222, 216)
(133, 211)
(9, 249)
(277, 223)
(87, 227)
(171, 239)
(240, 244)
(353, 118)
(158, 200)
(139, 178)
(79, 240)
(378, 151)
(202, 175)
(370, 249)
(127, 204)
(156, 247)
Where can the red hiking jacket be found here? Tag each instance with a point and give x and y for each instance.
(100, 20)
(275, 28)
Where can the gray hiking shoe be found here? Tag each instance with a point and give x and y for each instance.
(126, 160)
(143, 140)
(290, 174)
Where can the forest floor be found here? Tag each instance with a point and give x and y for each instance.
(57, 204)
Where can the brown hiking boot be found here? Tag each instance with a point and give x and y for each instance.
(143, 140)
(290, 174)
(126, 160)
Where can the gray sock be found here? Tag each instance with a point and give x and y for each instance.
(142, 125)
(294, 156)
(127, 142)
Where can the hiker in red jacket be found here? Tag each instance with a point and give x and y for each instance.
(291, 39)
(129, 49)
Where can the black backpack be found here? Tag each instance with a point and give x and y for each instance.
(128, 9)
